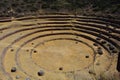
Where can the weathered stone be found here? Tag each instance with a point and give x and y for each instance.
(13, 69)
(17, 77)
(41, 73)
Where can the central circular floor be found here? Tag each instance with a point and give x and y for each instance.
(63, 55)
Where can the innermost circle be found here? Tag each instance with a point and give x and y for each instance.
(63, 53)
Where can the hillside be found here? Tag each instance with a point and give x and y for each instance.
(84, 7)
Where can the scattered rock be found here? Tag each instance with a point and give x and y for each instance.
(35, 51)
(17, 77)
(76, 42)
(86, 56)
(12, 50)
(13, 69)
(103, 42)
(100, 51)
(41, 73)
(95, 44)
(27, 50)
(61, 68)
(27, 79)
(91, 72)
(32, 43)
(111, 47)
(98, 39)
(97, 63)
(114, 51)
(99, 48)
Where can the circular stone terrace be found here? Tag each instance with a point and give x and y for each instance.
(59, 47)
